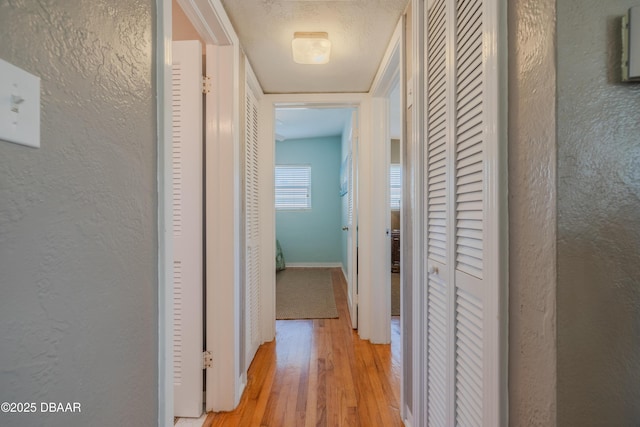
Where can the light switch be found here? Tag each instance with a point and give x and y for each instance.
(631, 45)
(19, 106)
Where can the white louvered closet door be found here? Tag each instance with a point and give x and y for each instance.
(187, 228)
(252, 227)
(463, 313)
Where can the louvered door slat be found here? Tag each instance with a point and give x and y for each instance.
(178, 310)
(469, 134)
(187, 221)
(469, 212)
(469, 358)
(468, 77)
(437, 359)
(437, 199)
(436, 131)
(470, 139)
(252, 226)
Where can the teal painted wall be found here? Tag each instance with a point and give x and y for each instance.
(313, 236)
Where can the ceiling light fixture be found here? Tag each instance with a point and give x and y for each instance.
(311, 48)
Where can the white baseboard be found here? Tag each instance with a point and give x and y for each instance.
(314, 264)
(242, 381)
(344, 272)
(408, 418)
(191, 422)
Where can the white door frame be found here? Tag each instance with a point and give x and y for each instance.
(352, 219)
(213, 25)
(416, 86)
(360, 101)
(389, 74)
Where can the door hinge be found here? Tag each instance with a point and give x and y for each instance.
(207, 360)
(206, 84)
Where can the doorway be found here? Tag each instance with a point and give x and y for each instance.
(356, 102)
(315, 207)
(395, 199)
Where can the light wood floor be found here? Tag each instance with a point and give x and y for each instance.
(319, 373)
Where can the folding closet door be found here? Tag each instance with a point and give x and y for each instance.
(465, 321)
(252, 227)
(187, 151)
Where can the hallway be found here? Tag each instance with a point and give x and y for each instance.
(318, 372)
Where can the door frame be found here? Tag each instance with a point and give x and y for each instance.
(213, 25)
(360, 102)
(389, 74)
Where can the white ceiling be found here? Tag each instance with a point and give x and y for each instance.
(299, 123)
(359, 30)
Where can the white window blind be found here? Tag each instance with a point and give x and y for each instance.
(293, 187)
(395, 186)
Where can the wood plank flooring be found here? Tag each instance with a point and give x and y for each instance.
(320, 373)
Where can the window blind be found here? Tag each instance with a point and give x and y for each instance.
(293, 187)
(395, 186)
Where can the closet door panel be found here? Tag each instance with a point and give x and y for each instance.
(437, 196)
(463, 309)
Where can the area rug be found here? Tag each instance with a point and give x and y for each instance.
(305, 293)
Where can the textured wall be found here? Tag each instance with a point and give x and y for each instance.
(532, 214)
(78, 263)
(598, 220)
(313, 236)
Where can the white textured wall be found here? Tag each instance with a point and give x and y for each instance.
(532, 214)
(78, 234)
(598, 220)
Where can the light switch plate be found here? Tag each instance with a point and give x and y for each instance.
(631, 45)
(19, 106)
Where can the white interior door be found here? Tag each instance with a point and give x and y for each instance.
(187, 228)
(352, 224)
(223, 218)
(465, 319)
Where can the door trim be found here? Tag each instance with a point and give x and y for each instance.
(389, 74)
(360, 101)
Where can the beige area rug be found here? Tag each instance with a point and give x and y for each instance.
(395, 294)
(305, 293)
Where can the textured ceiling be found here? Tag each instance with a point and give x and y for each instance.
(359, 30)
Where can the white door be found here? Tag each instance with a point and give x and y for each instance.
(464, 174)
(223, 215)
(352, 224)
(187, 228)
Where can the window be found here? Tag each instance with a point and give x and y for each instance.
(293, 187)
(395, 186)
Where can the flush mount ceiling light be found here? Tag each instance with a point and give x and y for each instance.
(311, 48)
